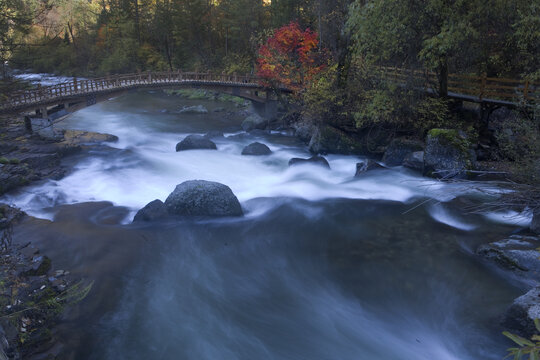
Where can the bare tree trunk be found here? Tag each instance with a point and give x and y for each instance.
(443, 79)
(137, 21)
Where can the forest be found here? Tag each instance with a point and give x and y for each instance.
(351, 40)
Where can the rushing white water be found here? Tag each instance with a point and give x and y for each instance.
(145, 166)
(43, 79)
(442, 215)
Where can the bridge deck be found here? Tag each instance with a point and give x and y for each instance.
(484, 90)
(242, 86)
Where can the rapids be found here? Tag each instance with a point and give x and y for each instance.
(323, 265)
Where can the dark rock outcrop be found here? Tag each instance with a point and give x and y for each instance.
(304, 130)
(154, 210)
(259, 132)
(367, 165)
(315, 160)
(254, 122)
(328, 139)
(398, 150)
(256, 149)
(518, 255)
(415, 161)
(448, 154)
(196, 142)
(521, 314)
(535, 223)
(214, 134)
(203, 198)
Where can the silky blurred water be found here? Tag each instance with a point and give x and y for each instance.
(323, 265)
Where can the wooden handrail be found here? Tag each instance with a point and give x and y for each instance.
(482, 87)
(110, 83)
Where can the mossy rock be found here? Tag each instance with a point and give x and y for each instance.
(448, 154)
(42, 269)
(331, 140)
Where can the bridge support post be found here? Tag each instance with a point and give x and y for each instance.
(43, 112)
(271, 109)
(28, 124)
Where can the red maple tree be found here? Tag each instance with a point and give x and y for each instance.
(290, 58)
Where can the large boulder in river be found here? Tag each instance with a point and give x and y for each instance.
(314, 160)
(398, 150)
(256, 149)
(448, 154)
(199, 109)
(254, 121)
(520, 315)
(203, 198)
(196, 142)
(517, 255)
(154, 210)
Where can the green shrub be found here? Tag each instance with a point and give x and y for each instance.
(528, 349)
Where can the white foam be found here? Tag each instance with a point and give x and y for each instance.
(439, 213)
(511, 218)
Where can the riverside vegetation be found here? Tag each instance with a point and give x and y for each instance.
(329, 51)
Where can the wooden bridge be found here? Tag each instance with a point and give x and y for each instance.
(71, 96)
(484, 90)
(61, 99)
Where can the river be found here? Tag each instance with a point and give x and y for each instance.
(322, 266)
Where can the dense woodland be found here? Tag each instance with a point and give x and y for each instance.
(498, 38)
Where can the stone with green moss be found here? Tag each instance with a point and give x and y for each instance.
(328, 139)
(448, 154)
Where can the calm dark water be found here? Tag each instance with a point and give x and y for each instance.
(322, 266)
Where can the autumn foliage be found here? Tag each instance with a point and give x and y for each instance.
(290, 58)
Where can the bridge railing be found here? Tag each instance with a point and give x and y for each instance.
(89, 86)
(480, 87)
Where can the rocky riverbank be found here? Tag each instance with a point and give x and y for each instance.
(27, 157)
(33, 295)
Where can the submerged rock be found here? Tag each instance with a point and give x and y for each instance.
(415, 161)
(203, 198)
(254, 122)
(80, 137)
(521, 314)
(367, 165)
(196, 142)
(256, 149)
(315, 160)
(198, 109)
(518, 254)
(448, 154)
(398, 150)
(154, 210)
(214, 134)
